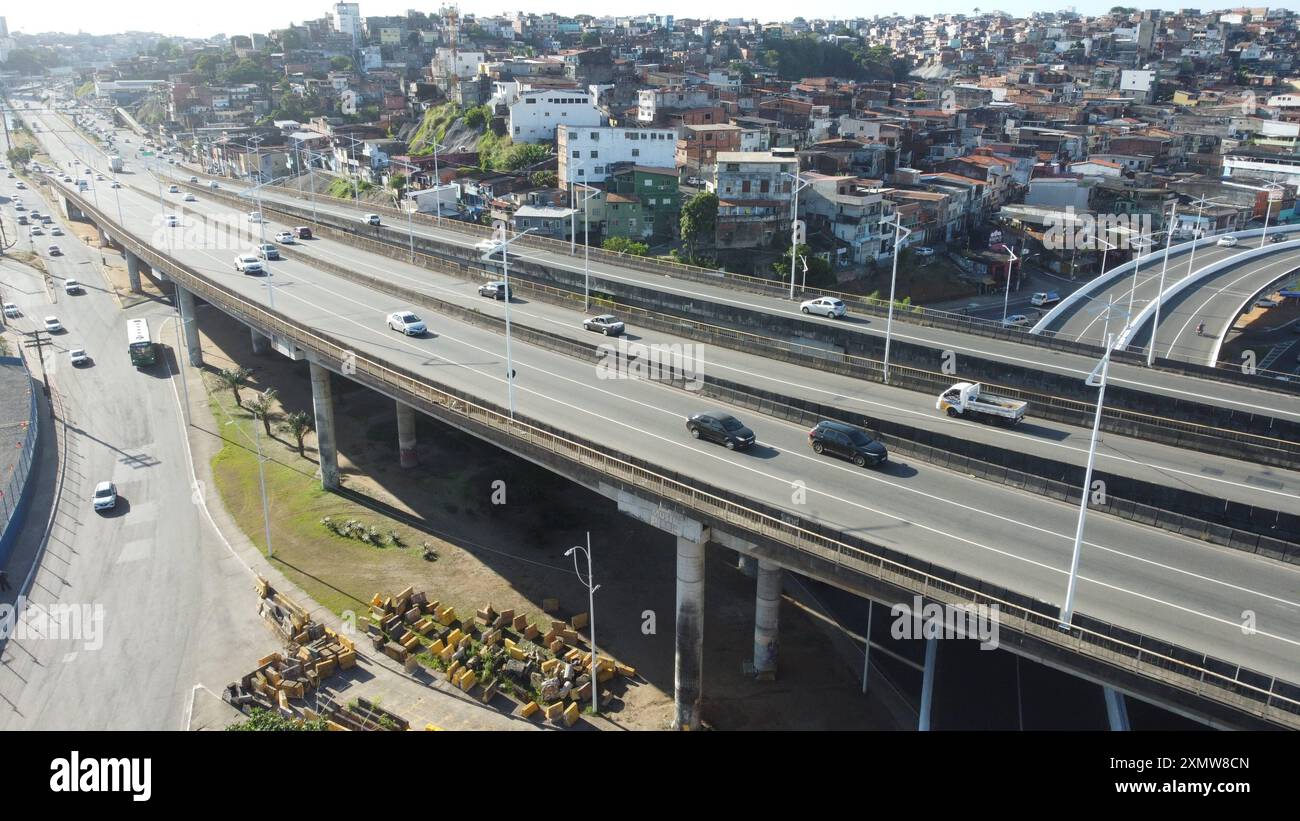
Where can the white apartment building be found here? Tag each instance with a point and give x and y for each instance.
(347, 20)
(585, 154)
(536, 114)
(652, 101)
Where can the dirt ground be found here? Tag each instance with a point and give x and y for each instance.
(511, 555)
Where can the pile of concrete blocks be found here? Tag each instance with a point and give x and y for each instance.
(359, 714)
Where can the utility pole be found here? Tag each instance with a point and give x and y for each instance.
(39, 341)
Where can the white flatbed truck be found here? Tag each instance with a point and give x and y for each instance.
(968, 399)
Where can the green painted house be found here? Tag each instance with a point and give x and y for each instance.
(642, 203)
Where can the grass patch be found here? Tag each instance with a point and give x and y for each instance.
(433, 128)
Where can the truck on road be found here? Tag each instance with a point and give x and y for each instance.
(115, 163)
(968, 399)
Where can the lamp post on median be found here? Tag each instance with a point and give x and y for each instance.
(408, 205)
(1095, 379)
(900, 234)
(1274, 195)
(503, 245)
(1155, 326)
(588, 193)
(1006, 298)
(795, 225)
(1200, 208)
(591, 615)
(261, 479)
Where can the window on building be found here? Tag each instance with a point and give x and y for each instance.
(636, 152)
(516, 129)
(764, 186)
(595, 154)
(744, 187)
(649, 183)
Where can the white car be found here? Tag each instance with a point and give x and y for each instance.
(22, 186)
(173, 189)
(171, 220)
(824, 306)
(56, 231)
(924, 251)
(78, 357)
(213, 184)
(486, 246)
(11, 310)
(190, 198)
(54, 251)
(248, 264)
(1015, 321)
(71, 286)
(52, 324)
(407, 323)
(1226, 242)
(285, 237)
(608, 324)
(256, 216)
(371, 219)
(99, 177)
(105, 496)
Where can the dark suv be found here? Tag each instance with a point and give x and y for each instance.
(848, 442)
(720, 427)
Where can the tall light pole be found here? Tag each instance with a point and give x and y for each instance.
(437, 184)
(591, 615)
(1272, 188)
(799, 184)
(1095, 379)
(1006, 298)
(503, 245)
(900, 234)
(408, 206)
(261, 479)
(1197, 233)
(588, 193)
(1155, 326)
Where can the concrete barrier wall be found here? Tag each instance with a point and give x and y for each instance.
(16, 495)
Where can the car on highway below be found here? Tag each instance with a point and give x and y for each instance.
(173, 189)
(371, 219)
(213, 184)
(46, 219)
(248, 264)
(824, 306)
(407, 323)
(20, 185)
(923, 251)
(99, 177)
(847, 442)
(78, 357)
(67, 178)
(268, 251)
(194, 180)
(1267, 302)
(1272, 238)
(720, 427)
(256, 216)
(71, 286)
(11, 310)
(105, 497)
(18, 205)
(52, 324)
(54, 251)
(190, 197)
(116, 184)
(302, 232)
(171, 220)
(608, 324)
(1015, 321)
(1044, 298)
(56, 231)
(22, 219)
(1226, 242)
(88, 171)
(37, 231)
(285, 237)
(494, 290)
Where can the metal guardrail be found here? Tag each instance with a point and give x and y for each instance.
(1268, 698)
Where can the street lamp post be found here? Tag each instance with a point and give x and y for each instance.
(1095, 379)
(1006, 298)
(1155, 326)
(799, 184)
(900, 234)
(261, 479)
(588, 193)
(503, 245)
(591, 615)
(1272, 188)
(408, 207)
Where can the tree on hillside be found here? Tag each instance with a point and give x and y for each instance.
(519, 157)
(698, 220)
(819, 274)
(544, 179)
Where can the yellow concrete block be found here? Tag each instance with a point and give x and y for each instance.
(508, 643)
(432, 728)
(556, 646)
(604, 675)
(447, 653)
(468, 680)
(347, 659)
(571, 714)
(377, 601)
(437, 647)
(579, 621)
(454, 636)
(453, 670)
(554, 711)
(520, 623)
(448, 615)
(625, 671)
(528, 709)
(549, 665)
(516, 653)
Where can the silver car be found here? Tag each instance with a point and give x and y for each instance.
(824, 306)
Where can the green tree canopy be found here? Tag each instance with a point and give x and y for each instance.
(698, 220)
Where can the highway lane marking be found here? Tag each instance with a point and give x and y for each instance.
(860, 324)
(404, 341)
(785, 483)
(1286, 263)
(437, 289)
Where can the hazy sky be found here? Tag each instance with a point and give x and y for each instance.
(202, 18)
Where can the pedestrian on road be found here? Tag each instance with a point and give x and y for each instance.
(4, 582)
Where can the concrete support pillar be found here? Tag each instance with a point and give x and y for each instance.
(103, 237)
(322, 401)
(688, 666)
(747, 565)
(190, 324)
(927, 683)
(1116, 710)
(406, 435)
(133, 265)
(261, 342)
(767, 615)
